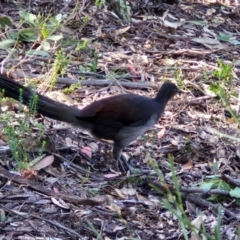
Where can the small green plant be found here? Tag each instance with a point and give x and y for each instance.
(175, 205)
(91, 226)
(85, 20)
(94, 62)
(116, 73)
(136, 180)
(72, 87)
(224, 96)
(224, 74)
(45, 31)
(179, 78)
(60, 65)
(86, 178)
(215, 183)
(33, 28)
(223, 85)
(46, 25)
(83, 45)
(5, 22)
(99, 3)
(123, 10)
(20, 133)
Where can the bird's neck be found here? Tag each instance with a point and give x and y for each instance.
(161, 98)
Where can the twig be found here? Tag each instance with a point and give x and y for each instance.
(26, 216)
(93, 82)
(230, 180)
(196, 198)
(74, 199)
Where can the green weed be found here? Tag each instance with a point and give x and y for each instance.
(72, 87)
(223, 85)
(60, 65)
(21, 134)
(94, 62)
(174, 204)
(83, 45)
(99, 3)
(179, 78)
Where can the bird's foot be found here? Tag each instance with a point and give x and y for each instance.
(124, 167)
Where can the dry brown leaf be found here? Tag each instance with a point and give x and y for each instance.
(122, 30)
(114, 208)
(120, 193)
(45, 162)
(161, 133)
(112, 175)
(188, 165)
(129, 191)
(197, 222)
(60, 203)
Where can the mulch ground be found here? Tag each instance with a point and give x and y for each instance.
(77, 192)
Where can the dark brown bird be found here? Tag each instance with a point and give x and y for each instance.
(121, 118)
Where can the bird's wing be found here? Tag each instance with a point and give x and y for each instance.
(121, 110)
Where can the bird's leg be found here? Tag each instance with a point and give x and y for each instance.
(117, 152)
(121, 160)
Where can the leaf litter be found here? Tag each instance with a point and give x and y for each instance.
(77, 191)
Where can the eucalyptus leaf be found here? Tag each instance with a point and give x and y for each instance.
(59, 17)
(224, 37)
(7, 43)
(38, 53)
(28, 17)
(46, 46)
(235, 192)
(12, 35)
(5, 21)
(55, 37)
(206, 185)
(28, 35)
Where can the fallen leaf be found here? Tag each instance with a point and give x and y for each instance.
(55, 190)
(87, 150)
(112, 175)
(45, 162)
(210, 43)
(120, 193)
(188, 165)
(122, 30)
(161, 133)
(60, 203)
(197, 222)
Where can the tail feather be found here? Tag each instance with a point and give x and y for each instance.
(44, 105)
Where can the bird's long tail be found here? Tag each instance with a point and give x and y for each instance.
(44, 105)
